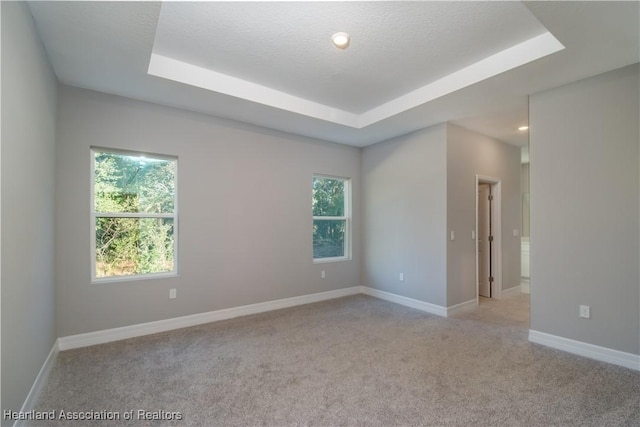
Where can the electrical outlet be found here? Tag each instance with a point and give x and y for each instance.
(401, 277)
(585, 311)
(453, 235)
(323, 274)
(473, 235)
(172, 293)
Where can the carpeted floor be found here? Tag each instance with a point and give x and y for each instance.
(354, 361)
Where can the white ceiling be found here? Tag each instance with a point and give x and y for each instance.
(285, 46)
(410, 64)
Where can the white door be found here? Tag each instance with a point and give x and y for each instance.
(484, 245)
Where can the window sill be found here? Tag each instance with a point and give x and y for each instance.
(116, 279)
(327, 260)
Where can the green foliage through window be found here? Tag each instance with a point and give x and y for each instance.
(134, 212)
(329, 217)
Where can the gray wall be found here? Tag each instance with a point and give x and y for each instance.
(585, 185)
(468, 154)
(404, 197)
(28, 142)
(415, 189)
(244, 205)
(524, 183)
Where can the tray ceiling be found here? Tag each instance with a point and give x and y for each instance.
(409, 65)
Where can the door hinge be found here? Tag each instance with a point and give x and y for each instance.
(490, 279)
(491, 238)
(490, 197)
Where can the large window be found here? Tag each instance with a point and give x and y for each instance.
(134, 215)
(331, 218)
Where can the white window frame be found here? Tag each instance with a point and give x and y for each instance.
(346, 218)
(95, 215)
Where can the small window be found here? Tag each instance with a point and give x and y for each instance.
(331, 219)
(134, 215)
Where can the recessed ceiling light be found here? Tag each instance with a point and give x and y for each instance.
(523, 128)
(341, 40)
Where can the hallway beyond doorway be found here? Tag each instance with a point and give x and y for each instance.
(510, 310)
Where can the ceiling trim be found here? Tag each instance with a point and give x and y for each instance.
(193, 75)
(505, 60)
(508, 59)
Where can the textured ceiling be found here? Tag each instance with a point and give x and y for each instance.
(395, 47)
(283, 47)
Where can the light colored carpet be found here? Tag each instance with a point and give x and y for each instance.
(354, 361)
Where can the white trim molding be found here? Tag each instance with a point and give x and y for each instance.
(190, 74)
(603, 354)
(38, 384)
(141, 329)
(408, 302)
(463, 306)
(496, 221)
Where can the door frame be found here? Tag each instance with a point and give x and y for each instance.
(496, 226)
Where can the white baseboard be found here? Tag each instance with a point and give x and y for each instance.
(525, 286)
(463, 306)
(39, 383)
(616, 357)
(409, 302)
(125, 332)
(515, 289)
(603, 354)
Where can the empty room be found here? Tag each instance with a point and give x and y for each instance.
(320, 213)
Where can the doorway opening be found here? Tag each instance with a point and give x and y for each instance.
(488, 237)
